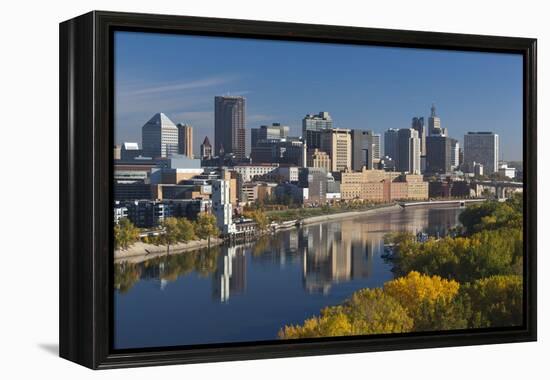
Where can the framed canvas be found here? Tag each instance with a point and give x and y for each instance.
(235, 189)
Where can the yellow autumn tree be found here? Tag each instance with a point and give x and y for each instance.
(373, 311)
(423, 297)
(369, 311)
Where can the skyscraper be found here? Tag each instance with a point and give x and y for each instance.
(229, 125)
(185, 140)
(418, 125)
(376, 140)
(275, 131)
(221, 203)
(391, 144)
(439, 154)
(365, 147)
(159, 137)
(434, 124)
(313, 125)
(206, 148)
(481, 148)
(455, 154)
(408, 156)
(337, 143)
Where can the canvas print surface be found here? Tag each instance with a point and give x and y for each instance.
(271, 190)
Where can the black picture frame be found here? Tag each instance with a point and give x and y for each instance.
(86, 140)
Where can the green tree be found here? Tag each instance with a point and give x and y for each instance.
(171, 234)
(374, 311)
(493, 215)
(259, 217)
(125, 233)
(496, 301)
(465, 259)
(186, 230)
(206, 226)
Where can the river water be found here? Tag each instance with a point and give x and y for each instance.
(248, 292)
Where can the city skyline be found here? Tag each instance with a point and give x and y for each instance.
(290, 141)
(476, 91)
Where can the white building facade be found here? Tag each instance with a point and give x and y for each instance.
(221, 205)
(159, 137)
(249, 172)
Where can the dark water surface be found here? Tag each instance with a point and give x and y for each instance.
(248, 292)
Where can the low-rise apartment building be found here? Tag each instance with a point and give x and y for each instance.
(382, 186)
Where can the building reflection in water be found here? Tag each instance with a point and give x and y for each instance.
(230, 275)
(335, 253)
(154, 273)
(328, 253)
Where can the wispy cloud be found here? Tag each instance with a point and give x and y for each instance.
(194, 116)
(239, 93)
(180, 86)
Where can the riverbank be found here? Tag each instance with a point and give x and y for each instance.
(349, 214)
(140, 251)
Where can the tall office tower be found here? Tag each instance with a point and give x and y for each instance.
(315, 179)
(408, 156)
(275, 131)
(206, 148)
(229, 126)
(221, 203)
(337, 143)
(159, 137)
(185, 140)
(376, 140)
(482, 148)
(434, 125)
(418, 125)
(455, 154)
(439, 155)
(391, 144)
(365, 149)
(312, 126)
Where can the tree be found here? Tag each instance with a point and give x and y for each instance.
(125, 234)
(422, 296)
(171, 233)
(369, 311)
(259, 217)
(206, 226)
(374, 311)
(496, 301)
(493, 215)
(186, 230)
(464, 259)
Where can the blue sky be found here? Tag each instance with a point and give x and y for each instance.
(361, 86)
